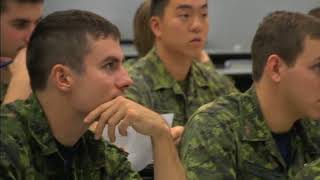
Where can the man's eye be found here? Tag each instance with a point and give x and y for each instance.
(317, 66)
(20, 25)
(110, 65)
(204, 15)
(184, 16)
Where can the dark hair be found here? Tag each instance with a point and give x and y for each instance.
(158, 6)
(282, 33)
(64, 37)
(3, 3)
(315, 12)
(143, 36)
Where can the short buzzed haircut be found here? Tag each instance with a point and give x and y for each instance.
(64, 37)
(315, 12)
(282, 33)
(3, 3)
(157, 7)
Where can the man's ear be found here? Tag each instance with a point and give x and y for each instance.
(275, 66)
(62, 77)
(155, 26)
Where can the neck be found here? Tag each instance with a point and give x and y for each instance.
(66, 125)
(275, 109)
(177, 64)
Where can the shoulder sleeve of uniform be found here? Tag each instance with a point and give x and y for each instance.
(311, 127)
(118, 165)
(208, 148)
(139, 91)
(13, 151)
(224, 83)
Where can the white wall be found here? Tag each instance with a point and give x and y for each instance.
(232, 22)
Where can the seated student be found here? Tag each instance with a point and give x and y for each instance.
(167, 79)
(143, 38)
(266, 132)
(18, 19)
(74, 63)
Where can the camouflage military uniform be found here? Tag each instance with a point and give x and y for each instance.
(129, 62)
(156, 89)
(29, 151)
(3, 90)
(310, 172)
(229, 139)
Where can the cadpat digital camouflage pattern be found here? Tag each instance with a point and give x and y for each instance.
(29, 151)
(229, 139)
(156, 89)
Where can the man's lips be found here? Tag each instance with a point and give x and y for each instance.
(196, 40)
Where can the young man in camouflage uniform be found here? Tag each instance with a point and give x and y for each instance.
(74, 63)
(18, 19)
(266, 132)
(167, 79)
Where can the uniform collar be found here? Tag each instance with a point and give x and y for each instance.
(42, 134)
(253, 125)
(153, 61)
(38, 126)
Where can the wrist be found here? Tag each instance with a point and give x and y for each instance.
(162, 132)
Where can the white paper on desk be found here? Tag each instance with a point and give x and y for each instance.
(137, 145)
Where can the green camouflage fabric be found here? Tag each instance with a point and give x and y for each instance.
(229, 139)
(28, 150)
(156, 89)
(3, 91)
(310, 172)
(129, 62)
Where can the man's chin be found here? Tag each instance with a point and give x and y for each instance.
(117, 95)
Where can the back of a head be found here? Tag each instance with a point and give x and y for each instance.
(143, 36)
(282, 33)
(64, 37)
(3, 3)
(315, 12)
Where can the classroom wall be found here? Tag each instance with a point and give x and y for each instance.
(232, 22)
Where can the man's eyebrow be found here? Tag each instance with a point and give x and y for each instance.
(25, 20)
(184, 6)
(205, 6)
(110, 58)
(187, 6)
(21, 20)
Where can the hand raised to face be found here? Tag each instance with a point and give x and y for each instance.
(123, 112)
